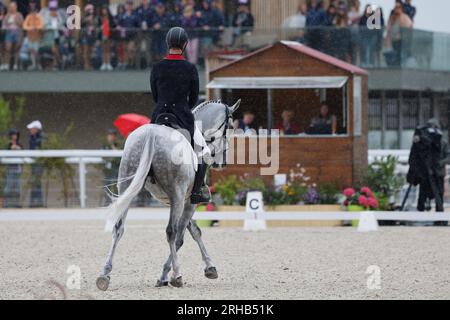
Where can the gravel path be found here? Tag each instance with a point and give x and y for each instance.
(284, 263)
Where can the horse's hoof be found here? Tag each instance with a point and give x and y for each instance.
(103, 283)
(177, 283)
(160, 284)
(211, 273)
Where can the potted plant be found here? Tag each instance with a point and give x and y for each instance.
(357, 201)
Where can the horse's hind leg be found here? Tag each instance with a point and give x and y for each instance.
(181, 226)
(210, 269)
(104, 278)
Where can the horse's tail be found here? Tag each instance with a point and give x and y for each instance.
(121, 203)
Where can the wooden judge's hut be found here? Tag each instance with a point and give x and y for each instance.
(292, 76)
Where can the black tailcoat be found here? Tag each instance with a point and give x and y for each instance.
(175, 88)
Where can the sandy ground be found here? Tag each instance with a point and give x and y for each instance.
(285, 263)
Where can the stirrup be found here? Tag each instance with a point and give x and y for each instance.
(199, 198)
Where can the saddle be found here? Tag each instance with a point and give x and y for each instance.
(168, 120)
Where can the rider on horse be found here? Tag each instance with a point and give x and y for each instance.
(175, 89)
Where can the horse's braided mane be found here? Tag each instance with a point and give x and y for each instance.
(203, 105)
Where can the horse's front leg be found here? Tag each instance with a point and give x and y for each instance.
(210, 269)
(104, 278)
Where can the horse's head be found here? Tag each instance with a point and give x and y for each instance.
(216, 121)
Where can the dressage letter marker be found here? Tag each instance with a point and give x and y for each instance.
(255, 206)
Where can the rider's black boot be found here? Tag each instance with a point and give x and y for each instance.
(197, 195)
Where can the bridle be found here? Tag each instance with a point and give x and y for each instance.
(226, 126)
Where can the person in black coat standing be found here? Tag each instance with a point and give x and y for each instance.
(175, 89)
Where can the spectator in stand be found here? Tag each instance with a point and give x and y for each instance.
(354, 16)
(12, 190)
(286, 126)
(296, 24)
(12, 24)
(160, 26)
(33, 25)
(298, 20)
(331, 15)
(129, 23)
(207, 17)
(53, 26)
(35, 143)
(145, 15)
(120, 37)
(189, 22)
(218, 23)
(2, 35)
(106, 23)
(398, 36)
(368, 39)
(316, 19)
(176, 14)
(409, 9)
(88, 34)
(243, 21)
(341, 41)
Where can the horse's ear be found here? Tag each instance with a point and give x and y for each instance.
(236, 106)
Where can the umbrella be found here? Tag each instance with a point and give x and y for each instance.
(127, 123)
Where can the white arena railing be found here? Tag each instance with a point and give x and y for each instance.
(85, 157)
(82, 158)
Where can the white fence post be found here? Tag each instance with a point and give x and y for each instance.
(82, 180)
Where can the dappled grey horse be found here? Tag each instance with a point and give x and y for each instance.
(168, 155)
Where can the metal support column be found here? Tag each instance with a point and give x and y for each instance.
(269, 110)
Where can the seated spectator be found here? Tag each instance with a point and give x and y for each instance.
(324, 123)
(12, 26)
(246, 124)
(33, 25)
(286, 126)
(243, 21)
(12, 190)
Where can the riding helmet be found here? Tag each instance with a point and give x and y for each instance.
(177, 38)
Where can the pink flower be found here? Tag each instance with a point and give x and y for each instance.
(349, 192)
(210, 207)
(212, 189)
(373, 203)
(363, 201)
(367, 191)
